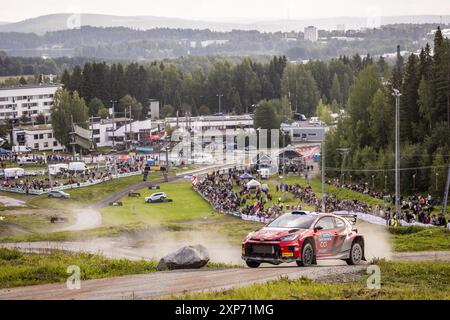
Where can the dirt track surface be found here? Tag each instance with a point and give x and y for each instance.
(161, 284)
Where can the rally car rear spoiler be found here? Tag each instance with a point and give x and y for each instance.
(351, 217)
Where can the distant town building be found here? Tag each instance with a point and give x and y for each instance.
(311, 34)
(445, 33)
(204, 123)
(305, 132)
(340, 27)
(26, 100)
(36, 137)
(105, 131)
(154, 109)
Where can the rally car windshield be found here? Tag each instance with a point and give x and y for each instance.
(293, 221)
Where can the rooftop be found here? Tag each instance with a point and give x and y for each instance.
(32, 86)
(36, 127)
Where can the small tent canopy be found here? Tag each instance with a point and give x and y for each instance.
(264, 187)
(77, 166)
(124, 157)
(253, 184)
(246, 176)
(153, 137)
(54, 169)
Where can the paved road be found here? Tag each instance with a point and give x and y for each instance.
(161, 284)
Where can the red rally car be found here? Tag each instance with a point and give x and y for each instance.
(304, 237)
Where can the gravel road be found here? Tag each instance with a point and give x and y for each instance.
(161, 284)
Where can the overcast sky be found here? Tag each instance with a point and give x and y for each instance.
(15, 10)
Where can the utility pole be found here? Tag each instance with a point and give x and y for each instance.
(397, 95)
(447, 186)
(113, 125)
(284, 165)
(73, 137)
(131, 131)
(220, 101)
(166, 173)
(324, 195)
(344, 152)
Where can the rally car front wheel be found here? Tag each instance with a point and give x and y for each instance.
(253, 264)
(356, 253)
(307, 255)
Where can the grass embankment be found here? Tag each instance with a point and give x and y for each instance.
(21, 269)
(399, 281)
(420, 239)
(186, 205)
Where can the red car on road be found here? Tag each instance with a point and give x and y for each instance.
(304, 237)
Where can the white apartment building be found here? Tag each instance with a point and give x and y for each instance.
(311, 34)
(28, 100)
(104, 131)
(204, 123)
(37, 137)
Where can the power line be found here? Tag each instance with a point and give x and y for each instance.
(383, 170)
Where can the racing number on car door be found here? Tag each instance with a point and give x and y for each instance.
(325, 237)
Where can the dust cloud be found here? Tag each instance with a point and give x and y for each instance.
(377, 240)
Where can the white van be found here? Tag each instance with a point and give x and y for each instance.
(264, 172)
(11, 173)
(23, 161)
(22, 149)
(55, 169)
(77, 166)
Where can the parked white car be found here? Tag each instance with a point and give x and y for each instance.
(314, 121)
(156, 197)
(58, 194)
(26, 161)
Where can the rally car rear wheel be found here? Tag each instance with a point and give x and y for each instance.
(252, 264)
(307, 255)
(356, 253)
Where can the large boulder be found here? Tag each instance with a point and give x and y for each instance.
(189, 257)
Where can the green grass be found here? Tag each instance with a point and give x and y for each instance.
(20, 269)
(420, 239)
(82, 197)
(186, 205)
(76, 235)
(23, 269)
(36, 222)
(399, 281)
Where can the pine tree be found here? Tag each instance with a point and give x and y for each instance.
(336, 93)
(409, 109)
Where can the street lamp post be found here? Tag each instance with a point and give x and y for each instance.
(397, 96)
(414, 181)
(437, 175)
(385, 183)
(373, 182)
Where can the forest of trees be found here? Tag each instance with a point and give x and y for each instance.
(242, 84)
(368, 130)
(360, 85)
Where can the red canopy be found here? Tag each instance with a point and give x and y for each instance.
(153, 138)
(124, 158)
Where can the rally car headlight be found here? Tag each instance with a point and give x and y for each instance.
(291, 237)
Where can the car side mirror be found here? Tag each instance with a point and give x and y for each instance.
(317, 228)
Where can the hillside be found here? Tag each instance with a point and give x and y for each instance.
(59, 21)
